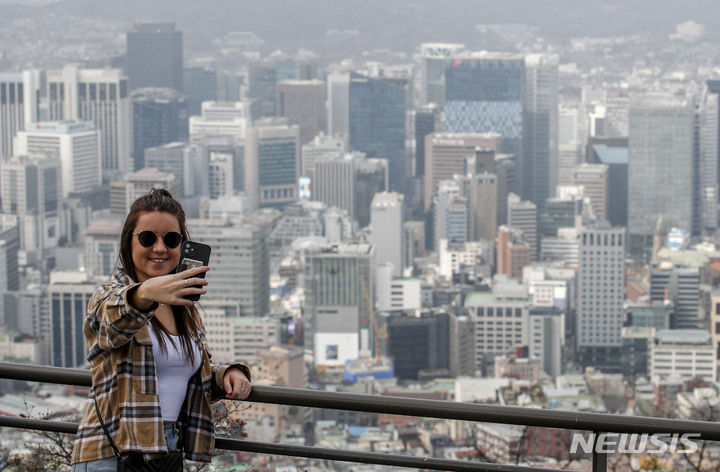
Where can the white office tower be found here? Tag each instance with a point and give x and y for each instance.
(336, 319)
(220, 119)
(234, 338)
(272, 163)
(76, 143)
(334, 182)
(709, 112)
(394, 293)
(102, 244)
(338, 105)
(660, 168)
(386, 223)
(687, 353)
(523, 215)
(450, 214)
(500, 320)
(68, 294)
(32, 190)
(240, 264)
(322, 148)
(601, 294)
(100, 96)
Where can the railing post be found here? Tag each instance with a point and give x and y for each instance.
(599, 457)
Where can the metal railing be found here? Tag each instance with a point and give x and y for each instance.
(594, 422)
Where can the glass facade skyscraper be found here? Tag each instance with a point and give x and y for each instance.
(377, 122)
(155, 56)
(514, 95)
(660, 166)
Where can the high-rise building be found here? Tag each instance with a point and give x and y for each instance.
(424, 124)
(708, 166)
(102, 244)
(376, 122)
(9, 246)
(559, 213)
(68, 294)
(322, 147)
(386, 223)
(32, 190)
(483, 206)
(513, 95)
(450, 214)
(513, 253)
(199, 85)
(561, 247)
(336, 320)
(302, 102)
(175, 158)
(334, 182)
(547, 338)
(523, 216)
(220, 175)
(240, 264)
(687, 353)
(338, 107)
(100, 96)
(660, 166)
(537, 171)
(272, 163)
(12, 111)
(601, 295)
(418, 343)
(125, 191)
(501, 321)
(435, 58)
(220, 119)
(371, 177)
(261, 89)
(155, 56)
(446, 155)
(160, 116)
(680, 286)
(595, 182)
(613, 152)
(75, 143)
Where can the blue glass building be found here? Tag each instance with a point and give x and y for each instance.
(377, 122)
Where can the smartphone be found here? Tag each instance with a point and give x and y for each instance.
(193, 254)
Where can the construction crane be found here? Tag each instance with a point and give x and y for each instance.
(380, 334)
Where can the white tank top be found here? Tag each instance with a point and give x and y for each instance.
(173, 372)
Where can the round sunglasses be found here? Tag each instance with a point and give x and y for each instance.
(147, 238)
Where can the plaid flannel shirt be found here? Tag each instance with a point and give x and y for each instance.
(125, 384)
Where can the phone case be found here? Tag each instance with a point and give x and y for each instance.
(193, 254)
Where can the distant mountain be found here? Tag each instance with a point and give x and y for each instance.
(397, 24)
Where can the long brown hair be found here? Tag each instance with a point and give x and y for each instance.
(162, 201)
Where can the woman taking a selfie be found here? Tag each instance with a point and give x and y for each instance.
(152, 380)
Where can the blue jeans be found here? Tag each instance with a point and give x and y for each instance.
(109, 464)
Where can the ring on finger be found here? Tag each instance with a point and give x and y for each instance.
(186, 284)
